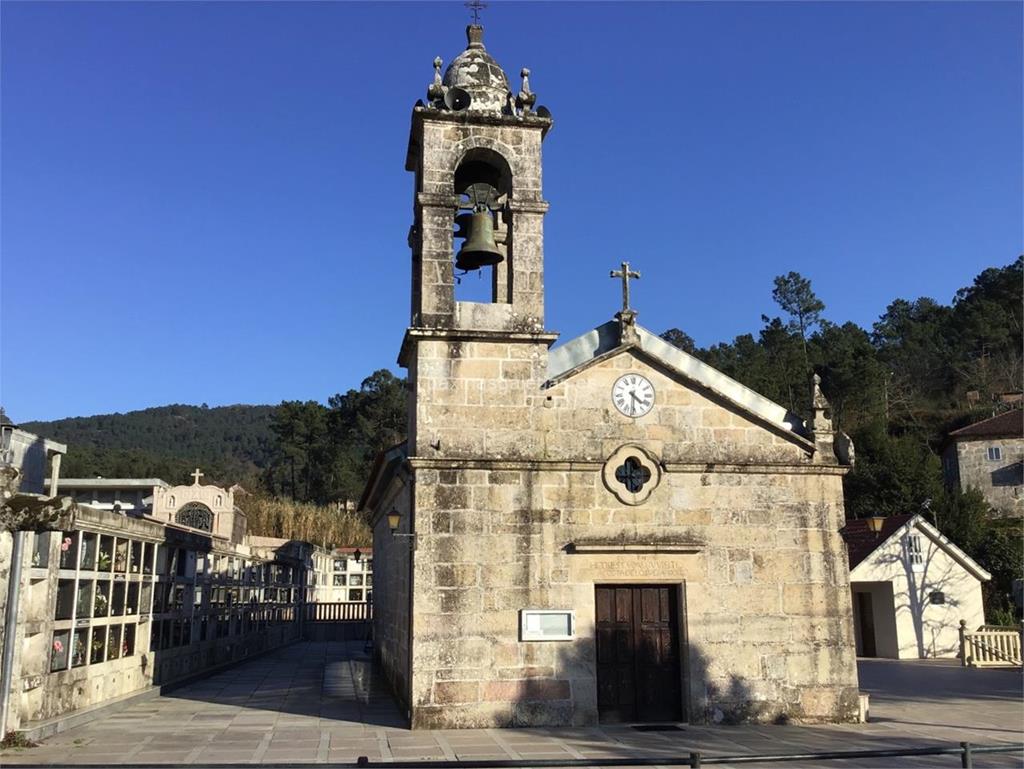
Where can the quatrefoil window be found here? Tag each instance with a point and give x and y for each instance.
(632, 474)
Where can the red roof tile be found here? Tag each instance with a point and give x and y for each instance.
(862, 542)
(1009, 424)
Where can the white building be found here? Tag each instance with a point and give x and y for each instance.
(351, 579)
(131, 496)
(910, 588)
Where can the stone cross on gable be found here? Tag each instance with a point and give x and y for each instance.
(625, 273)
(196, 476)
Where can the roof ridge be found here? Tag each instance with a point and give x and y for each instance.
(575, 354)
(973, 426)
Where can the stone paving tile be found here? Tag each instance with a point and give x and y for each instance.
(321, 702)
(289, 755)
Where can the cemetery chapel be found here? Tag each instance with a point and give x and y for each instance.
(608, 530)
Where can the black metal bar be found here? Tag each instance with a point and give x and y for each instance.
(567, 763)
(965, 756)
(362, 762)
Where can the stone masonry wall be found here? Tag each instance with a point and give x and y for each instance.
(518, 478)
(1000, 481)
(479, 398)
(391, 598)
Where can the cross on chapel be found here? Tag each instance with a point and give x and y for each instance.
(475, 6)
(196, 476)
(625, 273)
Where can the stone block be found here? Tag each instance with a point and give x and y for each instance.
(457, 575)
(449, 692)
(462, 716)
(440, 522)
(528, 671)
(534, 713)
(460, 600)
(813, 600)
(525, 690)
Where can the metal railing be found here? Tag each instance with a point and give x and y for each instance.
(338, 612)
(965, 751)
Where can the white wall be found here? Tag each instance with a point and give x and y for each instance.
(923, 629)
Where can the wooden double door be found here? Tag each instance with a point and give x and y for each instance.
(639, 676)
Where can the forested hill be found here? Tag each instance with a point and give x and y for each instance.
(232, 444)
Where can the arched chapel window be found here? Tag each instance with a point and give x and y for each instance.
(195, 515)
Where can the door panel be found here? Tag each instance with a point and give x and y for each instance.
(638, 655)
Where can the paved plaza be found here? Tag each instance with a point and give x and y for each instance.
(322, 703)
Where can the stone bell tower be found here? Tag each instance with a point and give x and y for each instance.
(475, 150)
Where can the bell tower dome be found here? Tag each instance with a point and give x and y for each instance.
(475, 151)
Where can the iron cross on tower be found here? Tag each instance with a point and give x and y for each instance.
(475, 6)
(625, 273)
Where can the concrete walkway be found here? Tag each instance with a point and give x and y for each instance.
(322, 703)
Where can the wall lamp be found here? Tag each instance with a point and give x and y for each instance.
(875, 523)
(394, 519)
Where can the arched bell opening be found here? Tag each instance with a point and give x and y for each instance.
(483, 183)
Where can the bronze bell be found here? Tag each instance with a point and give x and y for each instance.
(479, 250)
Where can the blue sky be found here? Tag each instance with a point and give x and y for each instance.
(206, 202)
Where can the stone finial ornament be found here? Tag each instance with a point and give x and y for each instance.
(628, 333)
(844, 449)
(820, 425)
(435, 91)
(821, 421)
(526, 98)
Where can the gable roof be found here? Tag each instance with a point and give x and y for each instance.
(861, 542)
(384, 468)
(1009, 424)
(595, 345)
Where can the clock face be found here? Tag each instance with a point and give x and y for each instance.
(633, 395)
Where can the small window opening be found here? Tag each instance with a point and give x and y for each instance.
(995, 453)
(633, 475)
(914, 552)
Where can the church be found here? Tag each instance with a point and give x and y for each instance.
(608, 530)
